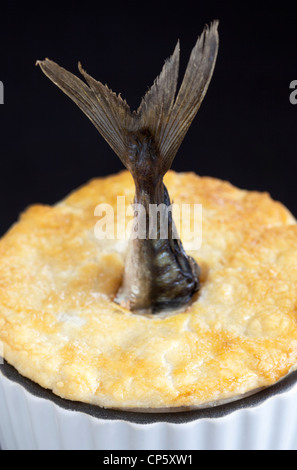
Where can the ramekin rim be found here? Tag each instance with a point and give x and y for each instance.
(144, 418)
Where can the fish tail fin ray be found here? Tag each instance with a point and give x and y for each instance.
(163, 114)
(168, 117)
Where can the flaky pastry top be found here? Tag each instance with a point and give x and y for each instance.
(60, 326)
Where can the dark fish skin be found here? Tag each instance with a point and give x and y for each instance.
(158, 274)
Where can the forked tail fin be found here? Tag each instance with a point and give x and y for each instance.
(162, 114)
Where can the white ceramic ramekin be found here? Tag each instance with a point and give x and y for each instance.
(32, 418)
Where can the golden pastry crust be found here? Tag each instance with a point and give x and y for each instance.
(60, 327)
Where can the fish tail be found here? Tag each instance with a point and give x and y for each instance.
(163, 117)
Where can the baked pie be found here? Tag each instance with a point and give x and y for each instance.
(143, 324)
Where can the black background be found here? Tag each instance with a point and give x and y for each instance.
(245, 130)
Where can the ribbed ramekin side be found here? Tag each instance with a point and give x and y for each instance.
(270, 425)
(35, 423)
